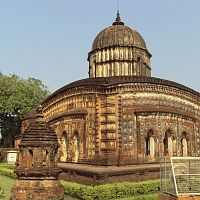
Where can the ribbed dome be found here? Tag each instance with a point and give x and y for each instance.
(119, 50)
(118, 35)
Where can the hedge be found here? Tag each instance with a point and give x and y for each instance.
(110, 191)
(8, 173)
(7, 170)
(7, 166)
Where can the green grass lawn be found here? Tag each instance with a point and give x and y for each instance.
(141, 197)
(6, 183)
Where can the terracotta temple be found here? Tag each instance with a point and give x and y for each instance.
(121, 115)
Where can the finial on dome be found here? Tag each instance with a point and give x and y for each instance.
(118, 19)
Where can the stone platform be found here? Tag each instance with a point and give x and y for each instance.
(98, 175)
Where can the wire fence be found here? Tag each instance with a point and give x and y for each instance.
(180, 175)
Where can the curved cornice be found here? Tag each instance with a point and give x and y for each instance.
(78, 113)
(104, 82)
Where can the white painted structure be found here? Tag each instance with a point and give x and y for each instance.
(11, 157)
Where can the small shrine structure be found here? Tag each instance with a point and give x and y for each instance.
(37, 171)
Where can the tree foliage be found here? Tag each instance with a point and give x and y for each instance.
(17, 96)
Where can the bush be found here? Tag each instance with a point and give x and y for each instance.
(7, 170)
(1, 193)
(111, 191)
(7, 166)
(8, 173)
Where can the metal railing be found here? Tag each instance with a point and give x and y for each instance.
(180, 175)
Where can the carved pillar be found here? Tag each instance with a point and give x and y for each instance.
(158, 133)
(140, 141)
(152, 147)
(170, 146)
(161, 138)
(97, 129)
(178, 152)
(195, 139)
(120, 142)
(184, 144)
(85, 137)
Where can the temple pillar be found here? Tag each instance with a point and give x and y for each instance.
(152, 147)
(170, 146)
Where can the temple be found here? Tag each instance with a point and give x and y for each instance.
(121, 115)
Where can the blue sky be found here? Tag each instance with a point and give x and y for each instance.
(50, 39)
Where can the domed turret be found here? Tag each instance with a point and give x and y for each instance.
(119, 50)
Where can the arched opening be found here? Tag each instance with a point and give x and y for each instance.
(150, 145)
(30, 157)
(75, 148)
(47, 158)
(168, 143)
(184, 145)
(64, 147)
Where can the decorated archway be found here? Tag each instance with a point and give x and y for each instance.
(75, 147)
(168, 143)
(184, 144)
(64, 147)
(150, 145)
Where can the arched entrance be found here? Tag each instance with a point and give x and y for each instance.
(168, 143)
(75, 147)
(64, 147)
(184, 144)
(150, 145)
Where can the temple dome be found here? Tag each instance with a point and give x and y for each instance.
(119, 50)
(118, 35)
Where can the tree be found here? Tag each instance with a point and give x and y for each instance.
(17, 96)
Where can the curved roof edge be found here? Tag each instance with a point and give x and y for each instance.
(108, 81)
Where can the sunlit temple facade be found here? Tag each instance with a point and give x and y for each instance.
(121, 115)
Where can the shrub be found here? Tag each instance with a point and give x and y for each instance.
(1, 193)
(8, 173)
(8, 166)
(7, 170)
(111, 191)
